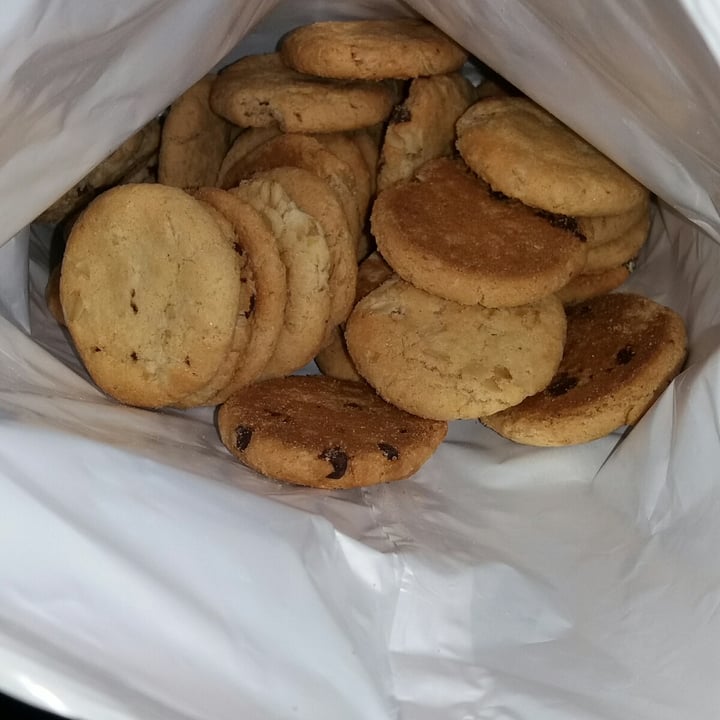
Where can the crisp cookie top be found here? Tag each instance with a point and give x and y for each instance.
(372, 49)
(526, 153)
(447, 233)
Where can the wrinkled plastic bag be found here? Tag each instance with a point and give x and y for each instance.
(144, 573)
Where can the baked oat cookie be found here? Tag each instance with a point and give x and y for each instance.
(304, 252)
(194, 139)
(524, 152)
(448, 234)
(400, 48)
(333, 359)
(621, 352)
(583, 287)
(446, 361)
(422, 127)
(605, 228)
(244, 143)
(616, 252)
(315, 197)
(325, 433)
(150, 287)
(263, 308)
(307, 153)
(136, 152)
(260, 91)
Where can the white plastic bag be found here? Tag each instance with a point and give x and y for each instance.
(144, 573)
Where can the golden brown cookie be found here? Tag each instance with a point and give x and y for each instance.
(604, 228)
(448, 234)
(622, 351)
(136, 152)
(260, 91)
(583, 287)
(368, 142)
(441, 360)
(616, 252)
(304, 252)
(244, 143)
(371, 49)
(194, 139)
(150, 287)
(325, 433)
(422, 128)
(52, 296)
(524, 152)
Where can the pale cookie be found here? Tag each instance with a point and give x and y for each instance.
(134, 153)
(307, 153)
(526, 153)
(621, 352)
(448, 234)
(265, 295)
(422, 128)
(244, 143)
(333, 359)
(326, 433)
(194, 139)
(616, 252)
(372, 49)
(260, 91)
(583, 287)
(150, 287)
(304, 252)
(314, 197)
(446, 361)
(604, 228)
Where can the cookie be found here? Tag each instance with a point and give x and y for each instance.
(446, 361)
(524, 152)
(448, 234)
(325, 433)
(304, 252)
(315, 197)
(583, 287)
(333, 359)
(616, 252)
(604, 228)
(194, 139)
(401, 48)
(265, 291)
(244, 143)
(621, 352)
(307, 153)
(422, 128)
(368, 142)
(134, 153)
(150, 287)
(52, 296)
(260, 91)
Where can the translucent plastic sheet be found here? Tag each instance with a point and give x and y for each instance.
(143, 573)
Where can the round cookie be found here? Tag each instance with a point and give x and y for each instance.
(265, 307)
(333, 359)
(622, 351)
(194, 139)
(150, 287)
(604, 228)
(244, 143)
(326, 433)
(315, 197)
(583, 287)
(446, 233)
(446, 361)
(526, 153)
(371, 49)
(422, 128)
(260, 91)
(611, 254)
(304, 252)
(307, 153)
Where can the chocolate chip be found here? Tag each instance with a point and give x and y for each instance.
(624, 355)
(132, 293)
(400, 114)
(243, 435)
(134, 356)
(561, 384)
(134, 307)
(97, 349)
(251, 307)
(338, 458)
(187, 360)
(390, 452)
(564, 222)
